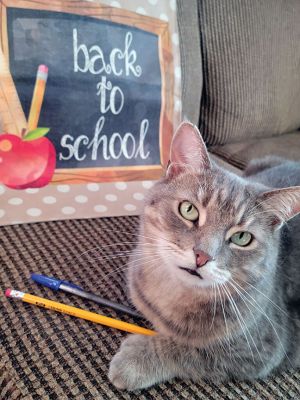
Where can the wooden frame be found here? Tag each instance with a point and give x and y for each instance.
(12, 113)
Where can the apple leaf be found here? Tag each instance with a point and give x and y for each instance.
(36, 133)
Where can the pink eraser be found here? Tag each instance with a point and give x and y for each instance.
(43, 68)
(7, 292)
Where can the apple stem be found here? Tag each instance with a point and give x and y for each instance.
(23, 131)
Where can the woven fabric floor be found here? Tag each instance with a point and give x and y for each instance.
(45, 355)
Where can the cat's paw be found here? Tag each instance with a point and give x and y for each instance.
(133, 367)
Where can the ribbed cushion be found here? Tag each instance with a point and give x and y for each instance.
(49, 356)
(251, 69)
(239, 154)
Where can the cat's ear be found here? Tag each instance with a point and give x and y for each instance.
(188, 150)
(284, 204)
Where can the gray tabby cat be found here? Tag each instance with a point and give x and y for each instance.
(216, 270)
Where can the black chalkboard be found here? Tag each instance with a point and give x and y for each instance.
(71, 106)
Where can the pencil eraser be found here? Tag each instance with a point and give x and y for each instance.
(43, 68)
(7, 292)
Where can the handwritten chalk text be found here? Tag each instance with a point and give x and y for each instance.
(105, 146)
(121, 61)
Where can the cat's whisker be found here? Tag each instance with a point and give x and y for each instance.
(133, 243)
(266, 297)
(128, 265)
(270, 321)
(225, 319)
(125, 254)
(131, 264)
(137, 234)
(236, 311)
(101, 248)
(124, 268)
(260, 309)
(215, 306)
(253, 341)
(161, 247)
(150, 267)
(155, 239)
(249, 309)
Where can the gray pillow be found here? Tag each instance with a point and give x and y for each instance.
(251, 68)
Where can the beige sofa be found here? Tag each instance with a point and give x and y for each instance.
(241, 69)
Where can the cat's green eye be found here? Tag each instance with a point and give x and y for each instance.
(188, 211)
(241, 238)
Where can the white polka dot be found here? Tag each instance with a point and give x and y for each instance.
(130, 207)
(81, 199)
(100, 208)
(177, 105)
(111, 197)
(115, 4)
(175, 38)
(49, 200)
(147, 184)
(141, 10)
(92, 187)
(2, 189)
(178, 72)
(63, 188)
(164, 17)
(2, 213)
(173, 5)
(15, 201)
(121, 185)
(153, 2)
(138, 196)
(68, 210)
(31, 191)
(34, 212)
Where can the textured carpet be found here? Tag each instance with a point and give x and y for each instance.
(45, 355)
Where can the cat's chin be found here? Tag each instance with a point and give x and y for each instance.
(205, 277)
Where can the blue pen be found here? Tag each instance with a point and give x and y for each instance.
(58, 284)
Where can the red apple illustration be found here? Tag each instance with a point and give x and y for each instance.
(27, 162)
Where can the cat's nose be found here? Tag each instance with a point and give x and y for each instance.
(201, 258)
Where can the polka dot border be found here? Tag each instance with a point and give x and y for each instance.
(49, 200)
(15, 201)
(67, 210)
(93, 187)
(130, 207)
(34, 212)
(100, 208)
(63, 188)
(81, 199)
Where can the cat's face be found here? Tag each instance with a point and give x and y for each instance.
(210, 226)
(208, 229)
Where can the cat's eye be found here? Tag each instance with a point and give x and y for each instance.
(241, 238)
(188, 211)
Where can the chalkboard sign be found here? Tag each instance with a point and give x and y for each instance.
(108, 98)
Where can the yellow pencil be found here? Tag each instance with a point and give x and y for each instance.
(38, 96)
(78, 312)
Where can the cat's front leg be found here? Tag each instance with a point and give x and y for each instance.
(141, 361)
